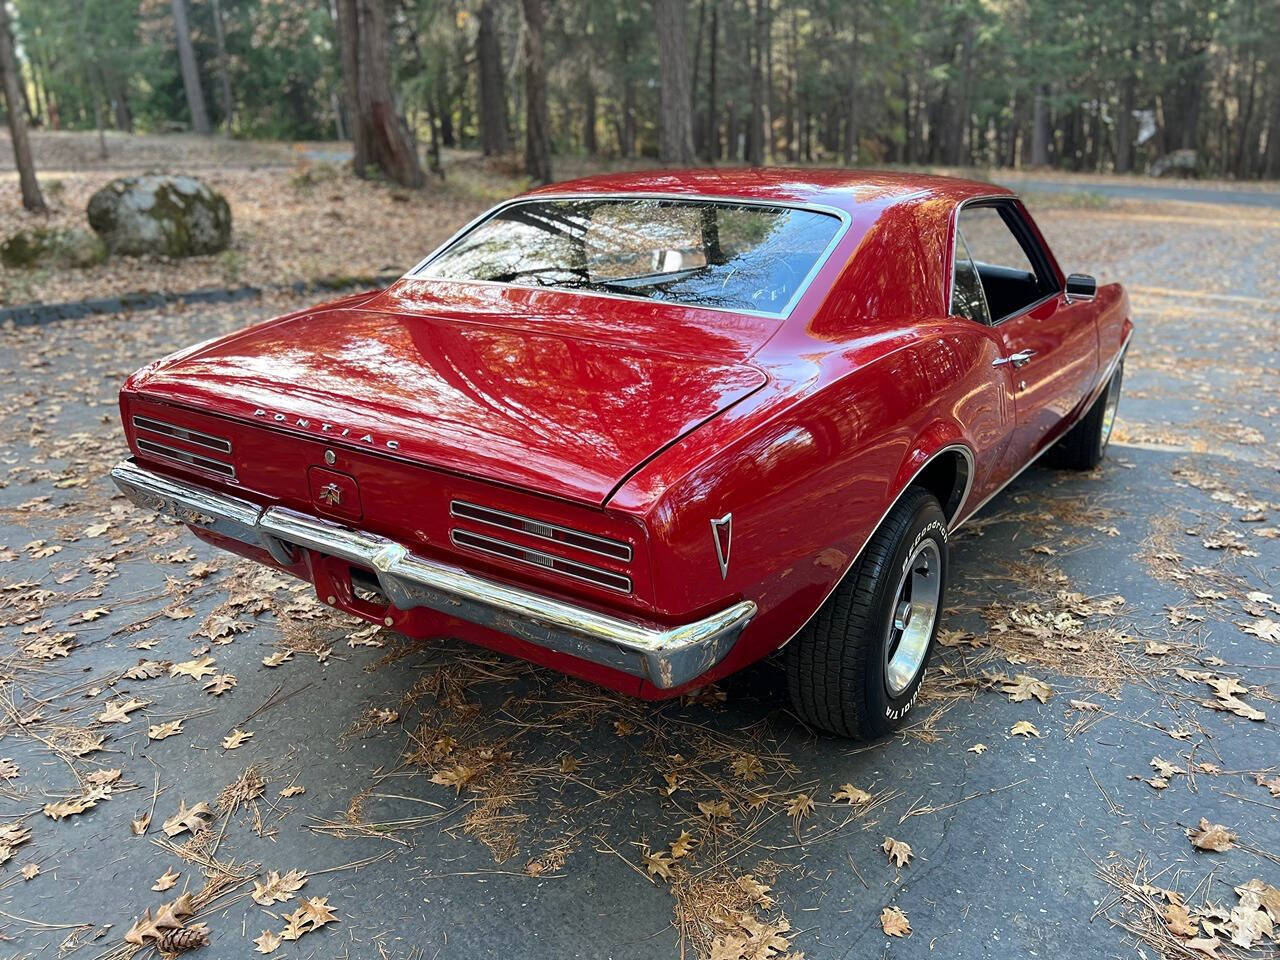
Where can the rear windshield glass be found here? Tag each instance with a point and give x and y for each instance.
(695, 252)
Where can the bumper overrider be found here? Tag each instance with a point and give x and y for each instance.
(665, 656)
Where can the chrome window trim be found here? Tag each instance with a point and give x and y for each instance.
(625, 548)
(951, 266)
(724, 199)
(165, 452)
(603, 584)
(199, 438)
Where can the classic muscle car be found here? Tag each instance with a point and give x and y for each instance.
(646, 429)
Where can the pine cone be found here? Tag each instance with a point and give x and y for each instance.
(187, 938)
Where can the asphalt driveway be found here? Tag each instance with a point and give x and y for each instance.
(1109, 656)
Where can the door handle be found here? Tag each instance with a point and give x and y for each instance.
(1019, 359)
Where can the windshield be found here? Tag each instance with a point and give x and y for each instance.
(732, 256)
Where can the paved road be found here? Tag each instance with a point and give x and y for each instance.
(534, 843)
(1137, 190)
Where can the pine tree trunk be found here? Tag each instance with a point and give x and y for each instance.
(32, 198)
(851, 118)
(675, 115)
(537, 147)
(1040, 127)
(190, 73)
(1124, 121)
(755, 134)
(589, 143)
(713, 108)
(224, 73)
(379, 133)
(495, 136)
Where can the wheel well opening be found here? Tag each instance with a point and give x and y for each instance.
(946, 476)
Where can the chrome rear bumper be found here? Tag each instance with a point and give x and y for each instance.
(665, 656)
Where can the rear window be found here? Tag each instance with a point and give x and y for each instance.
(731, 256)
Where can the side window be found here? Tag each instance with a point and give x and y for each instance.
(967, 299)
(1012, 273)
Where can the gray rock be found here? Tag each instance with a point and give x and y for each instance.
(175, 216)
(52, 247)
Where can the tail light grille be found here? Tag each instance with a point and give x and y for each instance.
(555, 536)
(154, 437)
(590, 542)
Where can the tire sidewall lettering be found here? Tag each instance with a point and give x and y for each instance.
(937, 530)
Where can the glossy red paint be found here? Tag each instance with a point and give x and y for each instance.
(643, 421)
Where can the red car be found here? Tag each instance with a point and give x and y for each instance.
(649, 428)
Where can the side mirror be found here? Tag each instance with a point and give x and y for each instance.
(1081, 286)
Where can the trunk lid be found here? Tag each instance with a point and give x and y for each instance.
(564, 415)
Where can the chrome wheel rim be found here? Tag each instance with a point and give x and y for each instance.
(1113, 404)
(911, 618)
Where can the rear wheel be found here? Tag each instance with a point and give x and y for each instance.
(1084, 445)
(855, 668)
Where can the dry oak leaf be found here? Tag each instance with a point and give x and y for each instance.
(1085, 706)
(1212, 837)
(714, 809)
(1024, 728)
(277, 658)
(457, 777)
(310, 915)
(146, 670)
(293, 790)
(158, 731)
(682, 844)
(143, 929)
(1268, 897)
(69, 808)
(658, 864)
(279, 887)
(235, 739)
(171, 915)
(894, 922)
(118, 712)
(978, 748)
(269, 942)
(187, 818)
(100, 778)
(1179, 922)
(747, 766)
(1206, 945)
(220, 684)
(195, 669)
(1023, 687)
(167, 880)
(568, 764)
(848, 793)
(8, 769)
(139, 826)
(30, 871)
(899, 853)
(800, 806)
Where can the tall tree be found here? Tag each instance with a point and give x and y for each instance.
(32, 198)
(224, 72)
(537, 146)
(190, 74)
(495, 137)
(380, 135)
(675, 113)
(755, 130)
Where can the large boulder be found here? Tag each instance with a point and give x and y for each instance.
(52, 247)
(175, 216)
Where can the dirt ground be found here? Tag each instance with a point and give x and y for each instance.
(187, 739)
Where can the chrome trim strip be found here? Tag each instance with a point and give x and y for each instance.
(166, 452)
(622, 550)
(487, 545)
(665, 656)
(182, 433)
(802, 288)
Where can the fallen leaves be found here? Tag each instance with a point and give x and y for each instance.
(1023, 687)
(658, 864)
(850, 794)
(894, 922)
(1211, 837)
(12, 836)
(279, 887)
(799, 807)
(898, 852)
(311, 915)
(196, 669)
(1024, 728)
(169, 916)
(220, 684)
(166, 881)
(161, 731)
(277, 658)
(187, 818)
(235, 739)
(62, 809)
(269, 942)
(118, 711)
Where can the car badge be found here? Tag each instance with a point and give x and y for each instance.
(722, 534)
(331, 494)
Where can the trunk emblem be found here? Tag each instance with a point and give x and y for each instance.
(331, 494)
(330, 457)
(722, 534)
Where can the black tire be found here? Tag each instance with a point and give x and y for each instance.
(1084, 445)
(837, 665)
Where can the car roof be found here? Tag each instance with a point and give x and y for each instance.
(846, 190)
